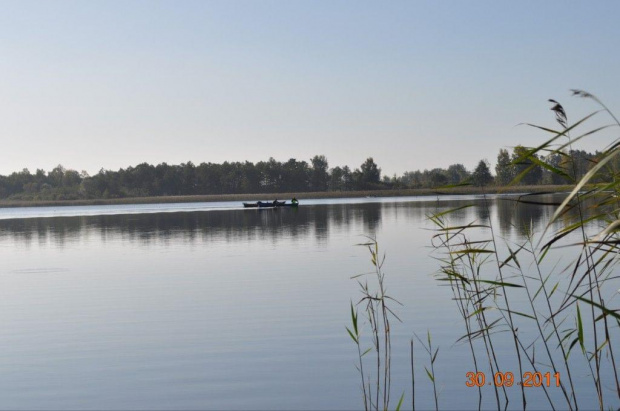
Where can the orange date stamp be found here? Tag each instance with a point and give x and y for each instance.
(507, 379)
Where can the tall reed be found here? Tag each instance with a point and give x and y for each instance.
(548, 310)
(485, 282)
(376, 385)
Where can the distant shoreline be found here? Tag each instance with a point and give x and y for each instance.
(466, 190)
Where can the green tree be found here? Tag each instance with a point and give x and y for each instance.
(504, 170)
(482, 174)
(370, 173)
(412, 179)
(71, 178)
(457, 173)
(336, 179)
(347, 178)
(437, 177)
(295, 176)
(230, 177)
(271, 175)
(521, 164)
(54, 177)
(319, 177)
(560, 162)
(187, 172)
(251, 178)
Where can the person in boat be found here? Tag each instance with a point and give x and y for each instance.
(294, 201)
(275, 202)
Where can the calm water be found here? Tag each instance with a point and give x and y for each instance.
(183, 306)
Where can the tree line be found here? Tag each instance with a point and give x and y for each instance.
(510, 167)
(274, 176)
(145, 179)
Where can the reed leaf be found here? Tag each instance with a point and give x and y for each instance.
(580, 330)
(430, 376)
(605, 310)
(400, 402)
(580, 185)
(500, 283)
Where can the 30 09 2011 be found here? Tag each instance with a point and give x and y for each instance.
(507, 379)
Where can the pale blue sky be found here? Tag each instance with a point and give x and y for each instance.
(414, 84)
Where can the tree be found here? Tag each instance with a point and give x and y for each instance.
(295, 176)
(71, 178)
(336, 180)
(504, 170)
(188, 177)
(271, 175)
(560, 162)
(412, 179)
(482, 174)
(55, 176)
(437, 177)
(251, 178)
(521, 164)
(457, 173)
(319, 177)
(230, 178)
(347, 178)
(370, 173)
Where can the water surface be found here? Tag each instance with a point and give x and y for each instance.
(194, 306)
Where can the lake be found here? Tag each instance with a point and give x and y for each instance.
(212, 306)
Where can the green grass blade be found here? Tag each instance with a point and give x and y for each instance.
(500, 283)
(430, 376)
(602, 308)
(521, 314)
(473, 251)
(580, 330)
(435, 356)
(354, 319)
(400, 402)
(352, 336)
(450, 211)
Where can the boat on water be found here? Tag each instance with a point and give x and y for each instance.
(270, 204)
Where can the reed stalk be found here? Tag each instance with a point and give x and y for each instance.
(464, 263)
(378, 314)
(484, 289)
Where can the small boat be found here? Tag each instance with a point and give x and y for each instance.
(269, 204)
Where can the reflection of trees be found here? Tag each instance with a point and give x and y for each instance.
(321, 218)
(505, 209)
(482, 212)
(276, 225)
(41, 229)
(370, 217)
(520, 216)
(506, 213)
(273, 225)
(233, 225)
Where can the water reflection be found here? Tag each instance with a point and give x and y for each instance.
(130, 299)
(271, 225)
(230, 225)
